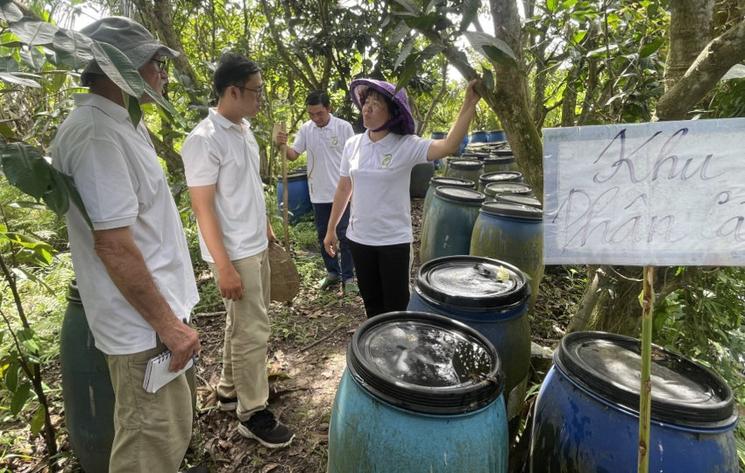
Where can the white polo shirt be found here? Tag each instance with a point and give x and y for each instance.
(121, 182)
(324, 146)
(226, 154)
(381, 210)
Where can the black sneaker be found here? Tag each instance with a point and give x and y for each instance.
(227, 403)
(262, 426)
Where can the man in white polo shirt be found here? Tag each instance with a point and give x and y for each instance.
(221, 162)
(133, 267)
(323, 138)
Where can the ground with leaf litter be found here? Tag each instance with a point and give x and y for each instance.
(306, 360)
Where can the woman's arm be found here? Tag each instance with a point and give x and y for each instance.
(341, 199)
(448, 146)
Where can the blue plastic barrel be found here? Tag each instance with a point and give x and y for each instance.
(528, 200)
(500, 160)
(463, 145)
(498, 189)
(477, 137)
(298, 195)
(469, 169)
(438, 135)
(442, 181)
(419, 181)
(586, 416)
(421, 393)
(494, 136)
(500, 176)
(490, 296)
(450, 218)
(511, 233)
(86, 389)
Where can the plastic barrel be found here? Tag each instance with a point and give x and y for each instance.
(490, 296)
(511, 233)
(86, 389)
(421, 393)
(501, 176)
(420, 175)
(438, 135)
(469, 169)
(586, 415)
(477, 137)
(528, 200)
(298, 195)
(496, 163)
(498, 189)
(495, 136)
(450, 218)
(442, 181)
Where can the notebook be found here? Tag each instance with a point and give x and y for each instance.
(157, 373)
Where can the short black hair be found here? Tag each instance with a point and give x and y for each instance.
(318, 97)
(233, 69)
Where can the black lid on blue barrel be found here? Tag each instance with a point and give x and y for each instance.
(425, 363)
(502, 152)
(466, 164)
(460, 194)
(451, 182)
(519, 199)
(472, 282)
(298, 173)
(520, 211)
(497, 188)
(474, 155)
(501, 176)
(684, 393)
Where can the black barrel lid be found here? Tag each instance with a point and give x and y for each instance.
(460, 194)
(501, 176)
(73, 295)
(474, 155)
(502, 152)
(497, 188)
(472, 282)
(683, 392)
(298, 173)
(467, 164)
(451, 182)
(520, 199)
(425, 363)
(504, 209)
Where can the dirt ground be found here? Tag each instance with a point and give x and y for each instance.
(307, 358)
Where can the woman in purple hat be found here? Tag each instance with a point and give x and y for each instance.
(375, 170)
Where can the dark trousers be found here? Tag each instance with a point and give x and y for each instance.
(321, 213)
(383, 276)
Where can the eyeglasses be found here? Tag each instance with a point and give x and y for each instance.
(161, 64)
(257, 91)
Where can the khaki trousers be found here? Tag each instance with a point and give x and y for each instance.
(151, 431)
(247, 332)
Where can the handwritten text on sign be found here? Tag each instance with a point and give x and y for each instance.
(665, 193)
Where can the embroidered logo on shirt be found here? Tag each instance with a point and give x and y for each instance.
(334, 141)
(387, 158)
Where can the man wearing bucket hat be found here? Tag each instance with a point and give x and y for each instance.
(375, 170)
(323, 137)
(133, 269)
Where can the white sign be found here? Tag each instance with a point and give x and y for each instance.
(664, 193)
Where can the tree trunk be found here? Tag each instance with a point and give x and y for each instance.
(690, 31)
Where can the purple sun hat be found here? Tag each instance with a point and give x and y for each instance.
(405, 118)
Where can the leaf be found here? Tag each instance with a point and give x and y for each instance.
(399, 33)
(10, 12)
(578, 36)
(42, 250)
(736, 72)
(34, 32)
(470, 10)
(118, 68)
(37, 422)
(422, 22)
(57, 197)
(33, 57)
(601, 51)
(408, 5)
(488, 80)
(11, 376)
(73, 194)
(163, 103)
(133, 108)
(25, 168)
(8, 64)
(552, 5)
(490, 47)
(20, 396)
(15, 78)
(651, 47)
(405, 52)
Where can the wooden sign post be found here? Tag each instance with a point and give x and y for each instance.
(650, 194)
(285, 195)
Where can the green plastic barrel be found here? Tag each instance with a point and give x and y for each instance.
(469, 169)
(500, 177)
(511, 233)
(442, 181)
(498, 189)
(447, 228)
(86, 389)
(528, 200)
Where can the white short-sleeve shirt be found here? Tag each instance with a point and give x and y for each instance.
(324, 146)
(226, 154)
(380, 171)
(117, 173)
